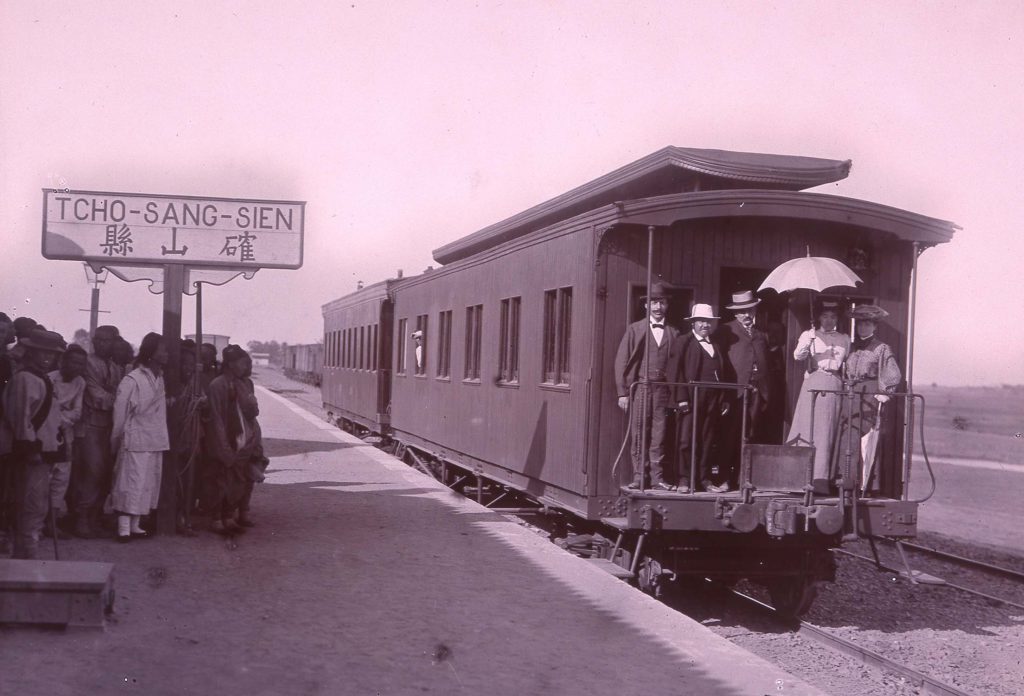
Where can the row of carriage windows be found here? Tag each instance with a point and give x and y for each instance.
(413, 354)
(355, 348)
(418, 350)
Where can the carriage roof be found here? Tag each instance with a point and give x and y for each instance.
(667, 171)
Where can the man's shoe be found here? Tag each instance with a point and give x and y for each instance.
(662, 486)
(633, 485)
(245, 521)
(707, 485)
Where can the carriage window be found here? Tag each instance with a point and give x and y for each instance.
(509, 346)
(557, 321)
(403, 336)
(419, 350)
(474, 325)
(444, 344)
(374, 347)
(362, 348)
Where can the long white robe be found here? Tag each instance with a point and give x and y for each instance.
(139, 437)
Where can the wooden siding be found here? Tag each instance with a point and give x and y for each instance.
(531, 429)
(353, 383)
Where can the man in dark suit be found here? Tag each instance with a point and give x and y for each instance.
(700, 360)
(746, 362)
(647, 355)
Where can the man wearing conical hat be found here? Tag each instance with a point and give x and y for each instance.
(31, 434)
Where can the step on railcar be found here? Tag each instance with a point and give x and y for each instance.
(498, 364)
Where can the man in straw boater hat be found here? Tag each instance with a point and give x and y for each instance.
(745, 349)
(31, 435)
(648, 355)
(700, 361)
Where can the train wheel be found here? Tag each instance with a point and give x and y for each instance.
(792, 596)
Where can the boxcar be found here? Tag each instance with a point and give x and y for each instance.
(513, 380)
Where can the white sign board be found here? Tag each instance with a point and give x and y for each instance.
(126, 228)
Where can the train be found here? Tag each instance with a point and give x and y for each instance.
(495, 369)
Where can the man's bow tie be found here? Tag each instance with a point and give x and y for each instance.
(657, 326)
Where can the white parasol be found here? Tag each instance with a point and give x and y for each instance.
(814, 273)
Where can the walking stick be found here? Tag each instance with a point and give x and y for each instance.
(53, 532)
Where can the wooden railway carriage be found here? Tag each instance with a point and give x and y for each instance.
(514, 380)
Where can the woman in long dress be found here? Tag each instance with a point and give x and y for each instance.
(139, 437)
(871, 374)
(824, 348)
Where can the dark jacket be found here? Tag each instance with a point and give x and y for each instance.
(689, 368)
(742, 354)
(629, 358)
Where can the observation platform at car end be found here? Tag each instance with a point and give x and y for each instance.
(364, 576)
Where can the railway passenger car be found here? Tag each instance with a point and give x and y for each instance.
(511, 378)
(303, 361)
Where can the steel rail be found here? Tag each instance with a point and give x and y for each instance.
(945, 583)
(929, 685)
(963, 560)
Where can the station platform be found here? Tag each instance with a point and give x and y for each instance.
(364, 576)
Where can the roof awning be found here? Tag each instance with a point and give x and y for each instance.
(662, 211)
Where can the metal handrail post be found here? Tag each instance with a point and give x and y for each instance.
(908, 411)
(693, 439)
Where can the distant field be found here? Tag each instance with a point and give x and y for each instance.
(975, 422)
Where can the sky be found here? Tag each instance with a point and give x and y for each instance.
(406, 125)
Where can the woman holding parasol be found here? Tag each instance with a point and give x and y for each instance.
(824, 348)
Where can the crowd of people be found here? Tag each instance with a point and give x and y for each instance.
(85, 434)
(667, 381)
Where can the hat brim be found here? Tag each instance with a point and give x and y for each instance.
(744, 305)
(29, 343)
(699, 317)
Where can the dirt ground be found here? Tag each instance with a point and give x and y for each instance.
(361, 579)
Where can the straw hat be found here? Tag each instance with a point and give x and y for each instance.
(744, 299)
(869, 312)
(701, 311)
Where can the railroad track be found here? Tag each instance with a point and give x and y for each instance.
(951, 558)
(964, 561)
(832, 641)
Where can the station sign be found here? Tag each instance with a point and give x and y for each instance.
(131, 228)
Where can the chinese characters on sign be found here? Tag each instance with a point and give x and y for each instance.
(242, 247)
(147, 229)
(118, 240)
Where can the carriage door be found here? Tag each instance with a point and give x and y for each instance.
(772, 317)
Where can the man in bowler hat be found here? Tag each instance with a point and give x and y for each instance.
(648, 356)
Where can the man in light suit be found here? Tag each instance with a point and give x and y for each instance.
(648, 355)
(746, 363)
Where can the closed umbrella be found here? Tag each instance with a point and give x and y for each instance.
(869, 449)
